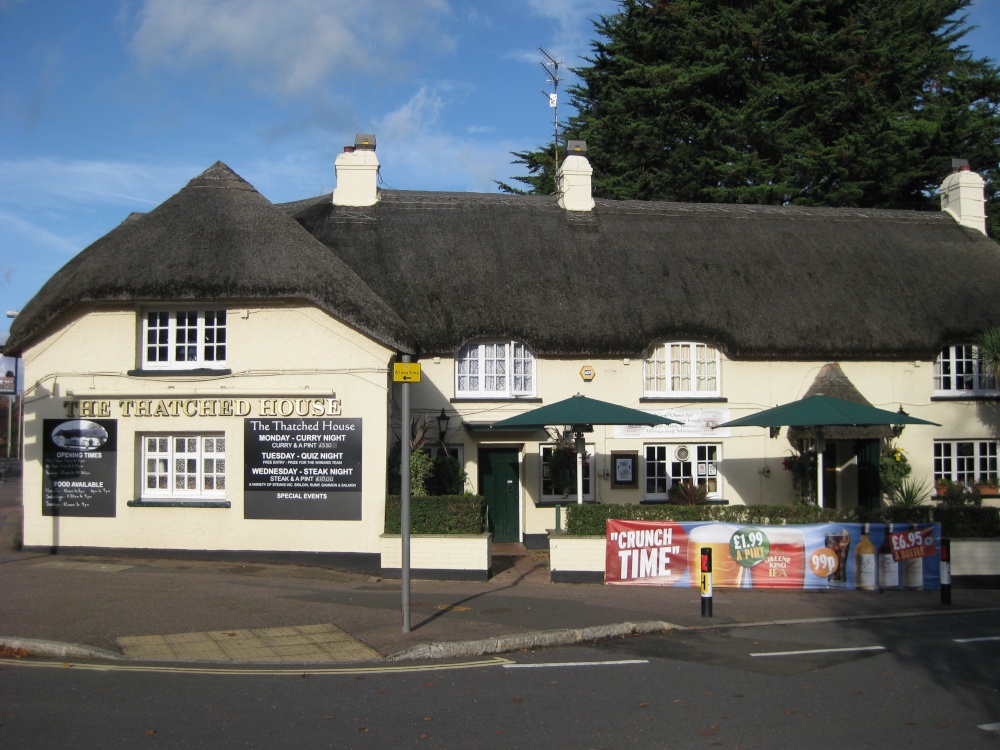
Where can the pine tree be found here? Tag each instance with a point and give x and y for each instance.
(803, 102)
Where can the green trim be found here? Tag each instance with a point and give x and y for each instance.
(683, 400)
(201, 372)
(179, 504)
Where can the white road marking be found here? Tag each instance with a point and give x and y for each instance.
(995, 727)
(820, 651)
(576, 664)
(977, 640)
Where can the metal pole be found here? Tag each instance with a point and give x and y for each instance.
(946, 571)
(404, 491)
(581, 448)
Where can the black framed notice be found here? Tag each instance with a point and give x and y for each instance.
(79, 467)
(625, 469)
(302, 469)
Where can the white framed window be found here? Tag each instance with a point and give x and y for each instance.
(669, 464)
(548, 491)
(957, 371)
(182, 467)
(173, 339)
(966, 461)
(682, 368)
(495, 369)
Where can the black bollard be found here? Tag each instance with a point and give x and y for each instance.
(946, 571)
(706, 581)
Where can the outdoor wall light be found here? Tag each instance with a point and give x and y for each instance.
(442, 420)
(897, 429)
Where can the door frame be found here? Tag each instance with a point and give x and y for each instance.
(483, 459)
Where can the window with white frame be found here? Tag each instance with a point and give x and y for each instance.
(184, 339)
(183, 467)
(495, 369)
(549, 493)
(958, 371)
(682, 368)
(666, 465)
(966, 461)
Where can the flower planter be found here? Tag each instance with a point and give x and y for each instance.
(442, 557)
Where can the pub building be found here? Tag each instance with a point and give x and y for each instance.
(216, 375)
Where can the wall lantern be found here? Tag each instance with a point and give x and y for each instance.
(442, 420)
(897, 429)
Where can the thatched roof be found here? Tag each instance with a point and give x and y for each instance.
(426, 272)
(217, 239)
(831, 381)
(761, 281)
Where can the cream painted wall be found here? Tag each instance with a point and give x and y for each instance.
(751, 461)
(293, 351)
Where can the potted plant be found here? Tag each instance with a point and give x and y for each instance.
(686, 493)
(988, 485)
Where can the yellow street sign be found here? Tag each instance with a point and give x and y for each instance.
(406, 372)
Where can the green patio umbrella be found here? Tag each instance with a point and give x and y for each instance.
(820, 411)
(582, 414)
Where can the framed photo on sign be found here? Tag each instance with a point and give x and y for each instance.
(624, 469)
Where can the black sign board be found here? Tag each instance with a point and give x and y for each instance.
(80, 467)
(302, 468)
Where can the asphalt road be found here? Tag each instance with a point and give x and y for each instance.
(918, 682)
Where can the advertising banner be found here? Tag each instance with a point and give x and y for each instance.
(79, 467)
(302, 469)
(805, 556)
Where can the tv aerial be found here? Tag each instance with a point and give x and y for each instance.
(551, 67)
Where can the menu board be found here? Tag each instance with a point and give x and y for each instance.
(302, 469)
(79, 467)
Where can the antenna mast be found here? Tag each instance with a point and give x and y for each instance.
(551, 67)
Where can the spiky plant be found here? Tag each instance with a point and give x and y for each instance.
(988, 352)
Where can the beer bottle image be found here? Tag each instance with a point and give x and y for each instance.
(888, 569)
(864, 562)
(913, 570)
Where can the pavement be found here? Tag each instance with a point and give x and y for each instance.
(148, 609)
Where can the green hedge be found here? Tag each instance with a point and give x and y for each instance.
(590, 519)
(438, 514)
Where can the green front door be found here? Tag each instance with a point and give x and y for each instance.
(498, 483)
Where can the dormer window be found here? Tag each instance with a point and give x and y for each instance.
(958, 371)
(184, 339)
(682, 369)
(494, 369)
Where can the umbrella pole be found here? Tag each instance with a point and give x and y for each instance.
(580, 450)
(820, 445)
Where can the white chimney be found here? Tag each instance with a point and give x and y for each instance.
(573, 179)
(357, 173)
(963, 195)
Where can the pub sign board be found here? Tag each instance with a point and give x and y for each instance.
(302, 468)
(79, 467)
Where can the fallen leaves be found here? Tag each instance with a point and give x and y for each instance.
(6, 652)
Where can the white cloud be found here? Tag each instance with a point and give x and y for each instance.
(36, 235)
(417, 153)
(47, 183)
(288, 47)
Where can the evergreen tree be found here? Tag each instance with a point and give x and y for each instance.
(802, 102)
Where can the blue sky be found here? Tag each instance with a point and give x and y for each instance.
(111, 106)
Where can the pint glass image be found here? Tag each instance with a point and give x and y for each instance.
(726, 571)
(784, 567)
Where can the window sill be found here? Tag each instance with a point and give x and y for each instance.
(570, 500)
(167, 503)
(512, 399)
(966, 397)
(197, 372)
(683, 400)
